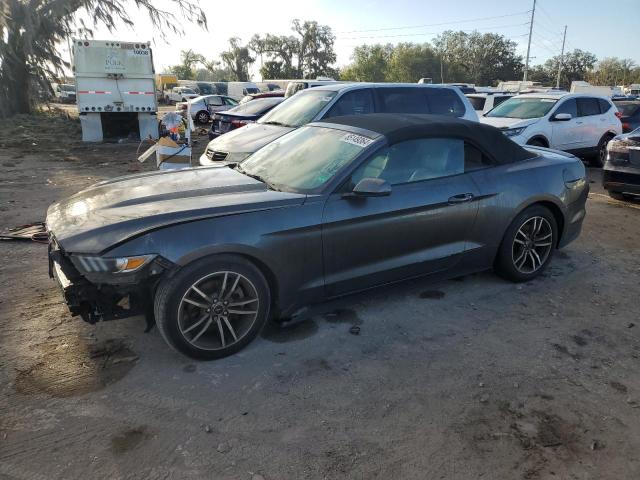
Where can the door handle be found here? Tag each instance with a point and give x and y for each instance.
(461, 198)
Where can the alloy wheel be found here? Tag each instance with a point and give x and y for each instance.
(203, 117)
(532, 245)
(218, 310)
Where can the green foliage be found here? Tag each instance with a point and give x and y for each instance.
(483, 59)
(188, 60)
(237, 60)
(307, 54)
(409, 62)
(615, 71)
(32, 30)
(370, 63)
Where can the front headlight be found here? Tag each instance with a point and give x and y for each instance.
(92, 264)
(512, 132)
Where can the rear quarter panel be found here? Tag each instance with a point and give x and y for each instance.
(507, 190)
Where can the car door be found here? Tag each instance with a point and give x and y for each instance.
(419, 228)
(589, 114)
(566, 134)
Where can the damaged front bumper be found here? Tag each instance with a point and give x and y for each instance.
(96, 302)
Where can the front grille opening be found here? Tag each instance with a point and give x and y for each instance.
(216, 156)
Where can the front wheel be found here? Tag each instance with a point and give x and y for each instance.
(527, 245)
(212, 308)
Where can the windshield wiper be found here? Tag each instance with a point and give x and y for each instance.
(269, 185)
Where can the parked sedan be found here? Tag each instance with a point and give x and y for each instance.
(332, 207)
(241, 115)
(203, 107)
(621, 171)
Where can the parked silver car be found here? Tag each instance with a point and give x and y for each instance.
(204, 106)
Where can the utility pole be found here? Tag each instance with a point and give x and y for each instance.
(564, 37)
(526, 64)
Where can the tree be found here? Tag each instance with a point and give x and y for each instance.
(31, 30)
(409, 62)
(369, 63)
(478, 58)
(237, 59)
(188, 60)
(308, 54)
(614, 71)
(576, 65)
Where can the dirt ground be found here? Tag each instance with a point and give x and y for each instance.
(463, 379)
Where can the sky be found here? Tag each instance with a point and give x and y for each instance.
(604, 27)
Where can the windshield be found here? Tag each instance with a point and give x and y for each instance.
(188, 90)
(68, 88)
(255, 106)
(305, 159)
(299, 109)
(523, 107)
(250, 90)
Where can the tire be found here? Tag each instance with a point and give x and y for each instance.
(203, 117)
(509, 263)
(183, 100)
(202, 329)
(616, 195)
(536, 142)
(601, 155)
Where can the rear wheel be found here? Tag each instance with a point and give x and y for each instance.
(528, 244)
(601, 156)
(212, 308)
(203, 116)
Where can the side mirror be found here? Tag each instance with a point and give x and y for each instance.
(371, 187)
(562, 117)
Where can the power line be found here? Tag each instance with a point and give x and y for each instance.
(428, 33)
(437, 24)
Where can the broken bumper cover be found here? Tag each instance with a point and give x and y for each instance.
(104, 301)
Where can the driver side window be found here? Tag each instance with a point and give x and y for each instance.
(414, 161)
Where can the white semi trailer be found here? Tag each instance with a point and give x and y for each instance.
(115, 89)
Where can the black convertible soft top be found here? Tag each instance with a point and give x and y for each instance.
(398, 127)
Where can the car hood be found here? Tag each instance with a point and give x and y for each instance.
(248, 138)
(113, 211)
(504, 122)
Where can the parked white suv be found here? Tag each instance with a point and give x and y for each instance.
(581, 124)
(335, 100)
(483, 102)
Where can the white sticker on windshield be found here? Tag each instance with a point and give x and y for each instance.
(548, 100)
(326, 99)
(358, 140)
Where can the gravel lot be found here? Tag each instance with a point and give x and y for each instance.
(467, 378)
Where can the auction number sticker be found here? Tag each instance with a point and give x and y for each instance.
(359, 140)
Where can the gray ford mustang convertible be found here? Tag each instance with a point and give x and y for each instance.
(330, 208)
